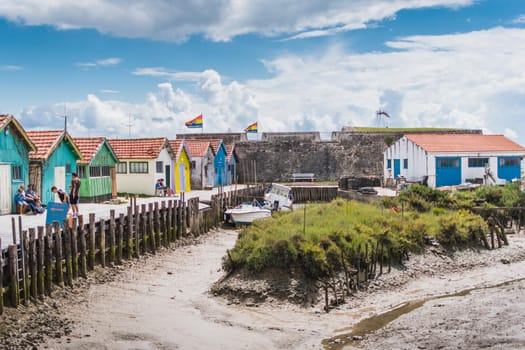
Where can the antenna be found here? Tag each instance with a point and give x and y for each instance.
(129, 125)
(381, 116)
(65, 117)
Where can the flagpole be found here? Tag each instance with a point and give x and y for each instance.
(202, 129)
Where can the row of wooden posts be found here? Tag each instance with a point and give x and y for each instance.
(53, 255)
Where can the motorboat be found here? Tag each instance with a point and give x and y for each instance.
(246, 213)
(279, 197)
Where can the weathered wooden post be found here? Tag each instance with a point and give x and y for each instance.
(91, 240)
(137, 229)
(48, 243)
(156, 234)
(32, 263)
(24, 247)
(13, 275)
(74, 247)
(67, 253)
(120, 238)
(129, 243)
(40, 262)
(1, 279)
(144, 227)
(58, 254)
(151, 229)
(169, 231)
(112, 250)
(102, 248)
(163, 223)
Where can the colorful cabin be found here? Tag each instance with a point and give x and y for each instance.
(141, 163)
(219, 162)
(181, 165)
(201, 166)
(53, 162)
(15, 146)
(231, 164)
(97, 169)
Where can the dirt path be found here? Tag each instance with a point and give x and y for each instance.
(163, 303)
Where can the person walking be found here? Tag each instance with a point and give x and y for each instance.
(73, 194)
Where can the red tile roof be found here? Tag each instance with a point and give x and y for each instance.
(6, 119)
(215, 144)
(176, 146)
(197, 148)
(464, 143)
(229, 151)
(89, 147)
(137, 148)
(46, 141)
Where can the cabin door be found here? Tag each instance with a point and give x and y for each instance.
(182, 178)
(167, 175)
(6, 197)
(60, 180)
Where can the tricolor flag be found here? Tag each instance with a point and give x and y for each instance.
(195, 122)
(251, 128)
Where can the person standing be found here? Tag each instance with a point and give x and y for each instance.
(73, 194)
(62, 195)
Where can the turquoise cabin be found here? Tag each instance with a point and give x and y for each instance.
(219, 162)
(231, 164)
(15, 146)
(53, 162)
(96, 170)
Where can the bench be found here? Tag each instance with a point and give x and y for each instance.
(303, 177)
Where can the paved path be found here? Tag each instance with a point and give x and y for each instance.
(101, 211)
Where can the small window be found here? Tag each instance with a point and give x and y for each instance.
(193, 164)
(509, 162)
(94, 171)
(389, 164)
(68, 168)
(405, 163)
(122, 168)
(105, 170)
(17, 172)
(138, 167)
(81, 171)
(159, 166)
(478, 162)
(448, 163)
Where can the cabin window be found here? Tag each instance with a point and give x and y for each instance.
(17, 172)
(94, 171)
(478, 162)
(138, 167)
(193, 164)
(229, 167)
(405, 163)
(105, 170)
(68, 168)
(389, 164)
(81, 171)
(448, 163)
(509, 162)
(160, 167)
(122, 168)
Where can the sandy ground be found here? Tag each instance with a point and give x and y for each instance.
(163, 303)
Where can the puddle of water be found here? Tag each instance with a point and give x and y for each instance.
(376, 322)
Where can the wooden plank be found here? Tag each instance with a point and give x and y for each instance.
(83, 247)
(112, 249)
(156, 219)
(151, 229)
(58, 254)
(48, 243)
(74, 247)
(67, 252)
(129, 243)
(144, 228)
(91, 241)
(162, 217)
(32, 263)
(40, 262)
(102, 246)
(24, 247)
(120, 238)
(13, 275)
(169, 221)
(137, 229)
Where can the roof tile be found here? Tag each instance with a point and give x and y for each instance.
(45, 141)
(147, 148)
(197, 148)
(464, 143)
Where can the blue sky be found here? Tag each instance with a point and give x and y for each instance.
(290, 65)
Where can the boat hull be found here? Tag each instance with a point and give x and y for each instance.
(243, 216)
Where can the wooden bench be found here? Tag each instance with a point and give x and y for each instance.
(303, 177)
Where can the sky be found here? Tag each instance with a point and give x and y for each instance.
(142, 68)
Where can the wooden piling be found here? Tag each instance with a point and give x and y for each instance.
(120, 238)
(156, 219)
(151, 229)
(48, 244)
(112, 249)
(1, 279)
(74, 247)
(40, 262)
(169, 221)
(91, 240)
(58, 254)
(137, 230)
(162, 223)
(102, 247)
(83, 247)
(32, 263)
(67, 253)
(13, 275)
(24, 247)
(144, 228)
(129, 238)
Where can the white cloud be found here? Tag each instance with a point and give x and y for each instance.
(112, 61)
(471, 80)
(519, 19)
(10, 68)
(109, 91)
(216, 19)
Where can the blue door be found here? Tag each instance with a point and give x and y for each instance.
(509, 168)
(448, 171)
(397, 168)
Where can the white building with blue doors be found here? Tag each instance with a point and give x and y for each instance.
(452, 159)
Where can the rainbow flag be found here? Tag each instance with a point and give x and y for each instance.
(251, 128)
(195, 122)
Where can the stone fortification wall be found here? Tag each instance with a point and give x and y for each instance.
(227, 137)
(299, 136)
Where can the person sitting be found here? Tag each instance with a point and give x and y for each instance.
(30, 201)
(32, 197)
(160, 189)
(20, 201)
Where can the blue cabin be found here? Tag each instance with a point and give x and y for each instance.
(53, 162)
(231, 164)
(15, 146)
(219, 162)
